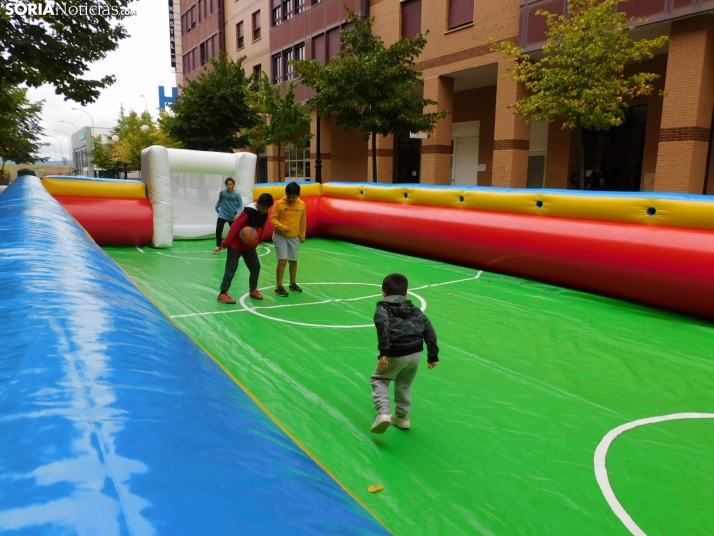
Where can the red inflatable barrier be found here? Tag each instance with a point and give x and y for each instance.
(670, 268)
(112, 221)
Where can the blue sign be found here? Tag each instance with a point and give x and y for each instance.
(164, 100)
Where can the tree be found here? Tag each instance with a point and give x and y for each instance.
(370, 87)
(581, 77)
(135, 133)
(20, 129)
(102, 153)
(287, 121)
(211, 111)
(54, 43)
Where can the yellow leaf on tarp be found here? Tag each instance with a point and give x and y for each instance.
(375, 488)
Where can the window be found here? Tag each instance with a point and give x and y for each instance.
(201, 9)
(256, 25)
(461, 12)
(239, 35)
(277, 15)
(287, 9)
(411, 18)
(257, 73)
(299, 6)
(297, 162)
(300, 51)
(204, 54)
(214, 46)
(189, 61)
(193, 16)
(277, 69)
(287, 68)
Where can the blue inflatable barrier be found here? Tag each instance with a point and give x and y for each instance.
(114, 422)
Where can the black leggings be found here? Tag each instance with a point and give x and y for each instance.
(219, 229)
(251, 261)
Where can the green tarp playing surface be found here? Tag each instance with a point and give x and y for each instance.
(504, 431)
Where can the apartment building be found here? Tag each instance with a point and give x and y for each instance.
(665, 144)
(202, 36)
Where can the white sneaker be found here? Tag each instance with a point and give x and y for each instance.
(381, 423)
(401, 422)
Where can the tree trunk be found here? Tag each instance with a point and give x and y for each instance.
(374, 157)
(280, 147)
(581, 154)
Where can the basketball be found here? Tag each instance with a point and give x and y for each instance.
(248, 236)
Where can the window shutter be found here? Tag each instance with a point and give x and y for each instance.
(460, 12)
(411, 18)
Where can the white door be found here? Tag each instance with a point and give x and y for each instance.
(465, 161)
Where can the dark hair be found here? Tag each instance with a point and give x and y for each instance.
(395, 284)
(292, 189)
(229, 179)
(266, 200)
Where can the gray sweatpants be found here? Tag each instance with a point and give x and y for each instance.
(402, 371)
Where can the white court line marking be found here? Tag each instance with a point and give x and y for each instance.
(601, 470)
(346, 254)
(253, 310)
(141, 250)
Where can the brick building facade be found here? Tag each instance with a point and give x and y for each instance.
(664, 145)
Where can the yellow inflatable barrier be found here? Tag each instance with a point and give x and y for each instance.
(79, 188)
(642, 209)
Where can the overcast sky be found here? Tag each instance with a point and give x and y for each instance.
(141, 64)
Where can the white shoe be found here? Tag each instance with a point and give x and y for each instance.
(402, 422)
(381, 423)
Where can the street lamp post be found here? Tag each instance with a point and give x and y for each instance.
(118, 167)
(75, 126)
(146, 103)
(146, 107)
(69, 145)
(53, 146)
(318, 157)
(90, 117)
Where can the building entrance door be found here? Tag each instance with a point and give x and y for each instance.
(465, 171)
(464, 163)
(619, 151)
(408, 161)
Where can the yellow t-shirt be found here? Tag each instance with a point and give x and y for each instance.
(286, 216)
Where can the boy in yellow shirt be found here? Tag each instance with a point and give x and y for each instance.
(289, 219)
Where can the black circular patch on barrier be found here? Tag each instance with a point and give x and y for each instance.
(461, 199)
(406, 195)
(651, 211)
(539, 204)
(361, 192)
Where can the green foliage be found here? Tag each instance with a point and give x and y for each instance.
(102, 153)
(211, 111)
(581, 77)
(136, 133)
(20, 128)
(370, 87)
(286, 120)
(57, 48)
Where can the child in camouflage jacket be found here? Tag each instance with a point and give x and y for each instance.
(402, 330)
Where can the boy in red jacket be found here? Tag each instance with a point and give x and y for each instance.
(254, 215)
